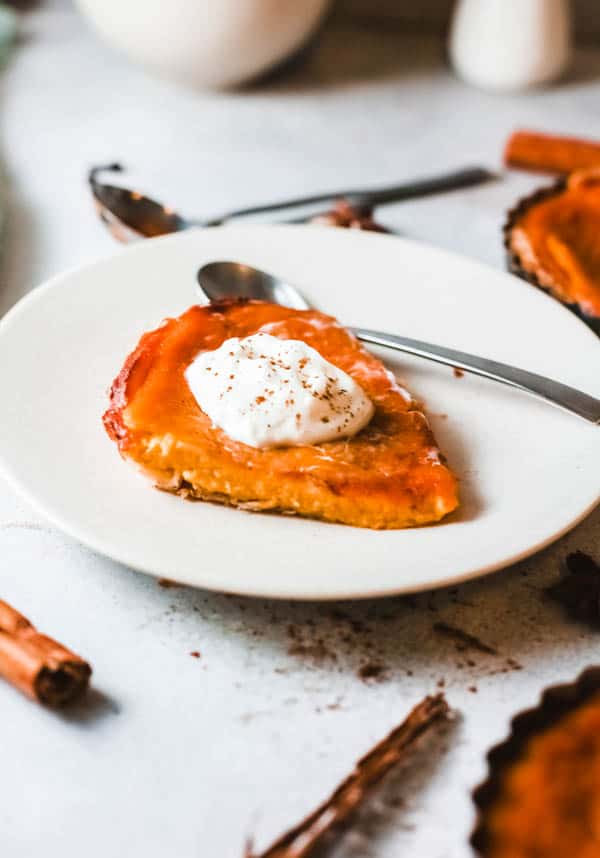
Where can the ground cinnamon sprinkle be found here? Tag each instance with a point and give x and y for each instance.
(462, 639)
(315, 651)
(466, 643)
(348, 637)
(372, 671)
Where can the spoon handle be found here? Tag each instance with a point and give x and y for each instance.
(553, 392)
(370, 197)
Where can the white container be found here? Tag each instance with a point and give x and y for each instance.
(510, 44)
(206, 43)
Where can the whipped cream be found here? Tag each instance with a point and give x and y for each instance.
(269, 392)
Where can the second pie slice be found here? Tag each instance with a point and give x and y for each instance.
(390, 474)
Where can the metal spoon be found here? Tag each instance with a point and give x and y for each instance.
(130, 215)
(219, 280)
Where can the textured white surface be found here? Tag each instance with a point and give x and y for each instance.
(174, 755)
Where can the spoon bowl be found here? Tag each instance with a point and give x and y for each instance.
(130, 215)
(222, 280)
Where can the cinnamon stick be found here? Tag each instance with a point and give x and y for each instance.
(334, 814)
(37, 665)
(550, 153)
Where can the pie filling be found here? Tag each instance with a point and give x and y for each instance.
(549, 806)
(388, 474)
(556, 240)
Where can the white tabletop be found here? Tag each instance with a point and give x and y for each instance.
(173, 755)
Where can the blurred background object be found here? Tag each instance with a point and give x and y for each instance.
(435, 15)
(508, 45)
(8, 30)
(203, 43)
(494, 44)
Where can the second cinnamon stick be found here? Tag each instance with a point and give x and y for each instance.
(550, 153)
(334, 814)
(37, 665)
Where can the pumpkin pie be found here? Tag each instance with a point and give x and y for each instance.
(553, 241)
(542, 797)
(389, 475)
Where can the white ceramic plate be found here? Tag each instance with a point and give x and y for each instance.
(528, 472)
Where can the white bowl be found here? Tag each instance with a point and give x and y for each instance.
(202, 42)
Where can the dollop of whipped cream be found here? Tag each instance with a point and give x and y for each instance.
(269, 392)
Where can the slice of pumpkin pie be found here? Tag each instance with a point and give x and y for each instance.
(268, 408)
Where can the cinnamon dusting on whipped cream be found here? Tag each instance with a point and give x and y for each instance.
(268, 392)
